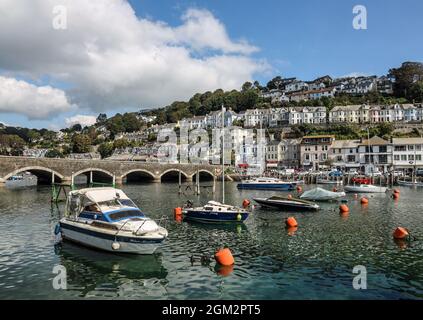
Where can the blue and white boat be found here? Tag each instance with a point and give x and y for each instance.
(264, 183)
(106, 219)
(215, 212)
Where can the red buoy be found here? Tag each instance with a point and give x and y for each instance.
(224, 257)
(401, 233)
(291, 222)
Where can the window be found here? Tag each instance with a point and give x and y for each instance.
(418, 147)
(410, 147)
(411, 157)
(351, 158)
(125, 214)
(396, 157)
(403, 157)
(400, 148)
(383, 149)
(418, 157)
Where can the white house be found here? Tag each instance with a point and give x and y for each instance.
(407, 153)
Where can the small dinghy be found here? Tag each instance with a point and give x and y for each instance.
(287, 203)
(319, 194)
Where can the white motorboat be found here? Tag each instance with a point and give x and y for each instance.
(265, 183)
(106, 219)
(365, 188)
(287, 203)
(319, 194)
(414, 183)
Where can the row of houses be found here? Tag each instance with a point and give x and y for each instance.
(276, 117)
(292, 89)
(324, 151)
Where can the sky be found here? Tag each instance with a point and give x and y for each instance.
(64, 61)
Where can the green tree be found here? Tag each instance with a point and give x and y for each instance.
(105, 149)
(405, 76)
(81, 143)
(54, 153)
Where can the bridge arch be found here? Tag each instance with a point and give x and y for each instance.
(99, 175)
(43, 174)
(138, 175)
(173, 174)
(203, 174)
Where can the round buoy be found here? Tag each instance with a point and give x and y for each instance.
(364, 200)
(291, 222)
(115, 245)
(224, 257)
(396, 191)
(239, 217)
(401, 233)
(395, 196)
(177, 211)
(299, 189)
(246, 203)
(344, 208)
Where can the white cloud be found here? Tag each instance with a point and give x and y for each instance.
(83, 120)
(110, 59)
(355, 75)
(17, 96)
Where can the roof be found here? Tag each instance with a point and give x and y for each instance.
(100, 194)
(407, 140)
(340, 144)
(375, 141)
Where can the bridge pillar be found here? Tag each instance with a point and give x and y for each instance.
(67, 180)
(2, 182)
(188, 179)
(118, 181)
(157, 179)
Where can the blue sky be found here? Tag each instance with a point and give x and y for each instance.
(308, 38)
(305, 39)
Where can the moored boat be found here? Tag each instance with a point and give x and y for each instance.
(365, 188)
(215, 212)
(410, 183)
(319, 194)
(264, 183)
(106, 219)
(329, 181)
(287, 203)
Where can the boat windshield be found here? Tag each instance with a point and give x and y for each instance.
(125, 214)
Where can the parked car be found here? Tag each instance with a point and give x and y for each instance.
(335, 173)
(419, 172)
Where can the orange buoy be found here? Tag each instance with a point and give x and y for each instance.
(299, 189)
(395, 196)
(178, 218)
(396, 191)
(289, 196)
(224, 257)
(364, 200)
(291, 222)
(177, 211)
(344, 208)
(246, 203)
(401, 233)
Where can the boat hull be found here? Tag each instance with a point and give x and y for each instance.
(214, 217)
(104, 241)
(286, 205)
(266, 186)
(410, 184)
(365, 190)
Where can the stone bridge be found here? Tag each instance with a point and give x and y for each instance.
(64, 170)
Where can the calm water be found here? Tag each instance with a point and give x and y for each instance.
(315, 262)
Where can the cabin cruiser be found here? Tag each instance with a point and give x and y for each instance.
(320, 194)
(365, 188)
(106, 219)
(329, 181)
(215, 211)
(287, 203)
(264, 183)
(414, 183)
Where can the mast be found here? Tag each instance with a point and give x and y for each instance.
(223, 155)
(369, 153)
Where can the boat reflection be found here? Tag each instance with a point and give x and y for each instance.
(228, 227)
(86, 267)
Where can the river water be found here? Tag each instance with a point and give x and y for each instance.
(315, 262)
